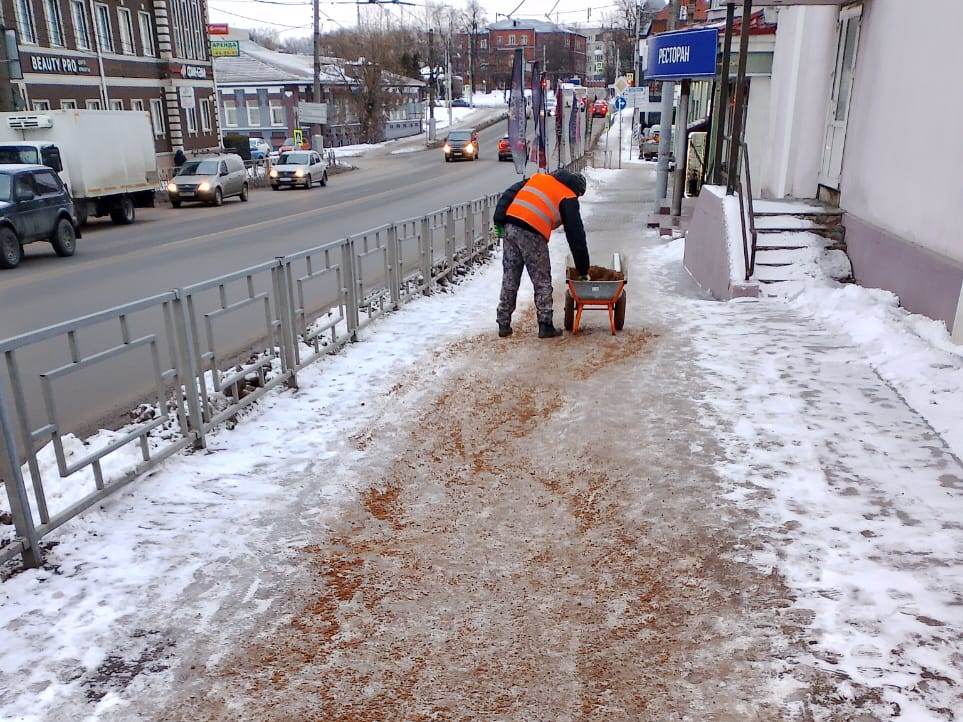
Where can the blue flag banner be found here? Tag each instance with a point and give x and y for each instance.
(537, 103)
(559, 111)
(517, 121)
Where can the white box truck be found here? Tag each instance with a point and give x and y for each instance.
(106, 158)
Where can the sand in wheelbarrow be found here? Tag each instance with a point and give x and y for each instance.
(597, 273)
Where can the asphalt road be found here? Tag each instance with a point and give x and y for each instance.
(169, 248)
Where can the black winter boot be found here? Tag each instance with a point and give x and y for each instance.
(548, 330)
(504, 330)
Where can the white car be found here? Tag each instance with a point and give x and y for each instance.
(299, 168)
(260, 148)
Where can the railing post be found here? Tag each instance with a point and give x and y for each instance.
(424, 245)
(351, 287)
(289, 342)
(12, 477)
(450, 243)
(187, 372)
(394, 272)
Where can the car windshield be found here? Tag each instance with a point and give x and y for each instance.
(253, 142)
(199, 167)
(460, 135)
(19, 155)
(295, 159)
(5, 185)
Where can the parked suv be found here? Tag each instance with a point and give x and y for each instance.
(301, 168)
(34, 206)
(209, 179)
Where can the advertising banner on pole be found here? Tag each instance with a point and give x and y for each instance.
(559, 111)
(517, 123)
(537, 103)
(572, 128)
(542, 130)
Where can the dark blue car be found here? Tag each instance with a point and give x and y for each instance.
(34, 206)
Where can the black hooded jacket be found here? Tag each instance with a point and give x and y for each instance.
(568, 210)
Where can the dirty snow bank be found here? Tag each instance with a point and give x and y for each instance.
(125, 580)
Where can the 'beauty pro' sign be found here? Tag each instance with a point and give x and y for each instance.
(682, 55)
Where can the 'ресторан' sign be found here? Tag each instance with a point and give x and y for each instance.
(681, 55)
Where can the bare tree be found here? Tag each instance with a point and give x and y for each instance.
(474, 18)
(266, 37)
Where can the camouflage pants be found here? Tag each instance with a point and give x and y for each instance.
(522, 249)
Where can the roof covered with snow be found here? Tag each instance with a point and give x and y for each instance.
(258, 65)
(539, 26)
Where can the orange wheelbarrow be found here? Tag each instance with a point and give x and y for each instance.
(596, 296)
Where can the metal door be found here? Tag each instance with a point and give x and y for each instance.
(842, 90)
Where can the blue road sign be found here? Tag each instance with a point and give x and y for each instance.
(682, 55)
(620, 102)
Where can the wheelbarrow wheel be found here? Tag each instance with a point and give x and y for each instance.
(569, 311)
(619, 312)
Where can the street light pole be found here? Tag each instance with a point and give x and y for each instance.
(316, 86)
(431, 84)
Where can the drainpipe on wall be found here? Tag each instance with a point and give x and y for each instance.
(104, 97)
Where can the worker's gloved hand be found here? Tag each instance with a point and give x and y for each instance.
(584, 277)
(499, 231)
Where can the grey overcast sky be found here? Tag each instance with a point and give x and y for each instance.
(293, 17)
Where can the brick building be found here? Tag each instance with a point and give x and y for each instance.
(561, 50)
(149, 55)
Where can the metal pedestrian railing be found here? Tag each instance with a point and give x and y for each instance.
(211, 349)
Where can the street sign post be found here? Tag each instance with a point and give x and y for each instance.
(620, 84)
(620, 102)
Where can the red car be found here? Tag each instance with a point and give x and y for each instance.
(505, 148)
(600, 108)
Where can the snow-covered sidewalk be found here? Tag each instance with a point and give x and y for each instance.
(729, 511)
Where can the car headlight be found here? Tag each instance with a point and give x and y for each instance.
(447, 148)
(274, 173)
(204, 187)
(299, 173)
(469, 148)
(172, 187)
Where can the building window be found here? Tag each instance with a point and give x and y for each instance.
(501, 39)
(190, 116)
(146, 33)
(55, 23)
(157, 117)
(511, 39)
(205, 115)
(81, 32)
(26, 27)
(68, 105)
(126, 31)
(230, 114)
(277, 114)
(116, 105)
(40, 106)
(253, 113)
(93, 105)
(104, 40)
(483, 43)
(137, 105)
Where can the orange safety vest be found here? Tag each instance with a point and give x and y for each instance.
(537, 203)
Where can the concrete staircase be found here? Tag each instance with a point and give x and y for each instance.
(800, 244)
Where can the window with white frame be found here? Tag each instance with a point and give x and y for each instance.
(68, 105)
(146, 33)
(26, 27)
(230, 114)
(116, 104)
(190, 115)
(277, 113)
(511, 39)
(78, 13)
(253, 113)
(55, 23)
(205, 115)
(41, 105)
(136, 104)
(102, 23)
(157, 117)
(92, 105)
(126, 23)
(483, 43)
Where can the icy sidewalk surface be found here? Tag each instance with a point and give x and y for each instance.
(723, 513)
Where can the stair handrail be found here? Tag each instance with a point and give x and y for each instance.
(745, 199)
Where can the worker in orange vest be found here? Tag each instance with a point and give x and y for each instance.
(525, 217)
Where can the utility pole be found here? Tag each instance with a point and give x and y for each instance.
(448, 77)
(431, 84)
(665, 122)
(316, 86)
